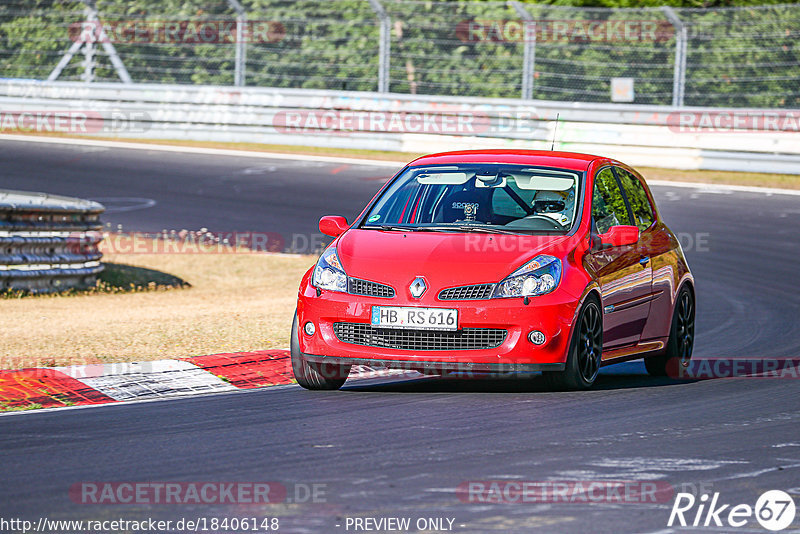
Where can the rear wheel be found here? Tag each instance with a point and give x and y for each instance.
(312, 375)
(678, 353)
(585, 350)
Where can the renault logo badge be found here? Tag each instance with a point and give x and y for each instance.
(417, 287)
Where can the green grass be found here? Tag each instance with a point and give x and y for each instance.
(26, 407)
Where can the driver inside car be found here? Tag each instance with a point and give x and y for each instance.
(557, 205)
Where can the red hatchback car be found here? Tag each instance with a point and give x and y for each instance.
(498, 261)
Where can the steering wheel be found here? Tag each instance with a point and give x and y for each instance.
(552, 223)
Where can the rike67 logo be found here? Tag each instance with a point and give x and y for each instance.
(774, 510)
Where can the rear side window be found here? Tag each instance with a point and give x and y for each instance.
(643, 215)
(608, 206)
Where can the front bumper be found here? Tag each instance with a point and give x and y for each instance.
(551, 314)
(449, 366)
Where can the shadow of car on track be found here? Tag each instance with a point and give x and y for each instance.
(125, 277)
(621, 376)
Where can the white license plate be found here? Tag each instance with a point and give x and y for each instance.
(404, 317)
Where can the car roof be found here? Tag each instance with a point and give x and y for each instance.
(566, 160)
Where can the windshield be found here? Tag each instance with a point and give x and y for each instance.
(475, 197)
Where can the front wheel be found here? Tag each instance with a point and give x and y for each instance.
(678, 353)
(312, 375)
(585, 350)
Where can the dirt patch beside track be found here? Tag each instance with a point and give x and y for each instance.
(237, 302)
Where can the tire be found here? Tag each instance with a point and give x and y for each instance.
(311, 375)
(678, 353)
(585, 351)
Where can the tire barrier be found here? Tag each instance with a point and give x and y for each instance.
(48, 243)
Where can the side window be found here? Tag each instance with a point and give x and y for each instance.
(608, 206)
(643, 215)
(397, 211)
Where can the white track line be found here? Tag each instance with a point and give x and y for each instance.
(199, 150)
(343, 160)
(727, 187)
(142, 401)
(110, 378)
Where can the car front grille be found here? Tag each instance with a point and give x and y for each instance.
(474, 292)
(409, 339)
(357, 286)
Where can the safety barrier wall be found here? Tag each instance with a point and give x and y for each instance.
(755, 140)
(48, 243)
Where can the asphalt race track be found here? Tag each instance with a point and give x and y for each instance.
(400, 447)
(220, 193)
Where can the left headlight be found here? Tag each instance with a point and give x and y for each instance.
(329, 273)
(539, 276)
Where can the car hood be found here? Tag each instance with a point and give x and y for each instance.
(444, 259)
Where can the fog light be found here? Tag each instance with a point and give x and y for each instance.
(309, 328)
(536, 337)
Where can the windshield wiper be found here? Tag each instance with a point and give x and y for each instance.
(470, 228)
(445, 228)
(396, 227)
(417, 228)
(464, 228)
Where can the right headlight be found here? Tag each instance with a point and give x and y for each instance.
(329, 273)
(539, 276)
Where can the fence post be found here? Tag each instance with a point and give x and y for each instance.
(681, 38)
(88, 62)
(108, 46)
(64, 61)
(240, 62)
(384, 45)
(528, 51)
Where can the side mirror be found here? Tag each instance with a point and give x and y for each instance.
(333, 225)
(618, 236)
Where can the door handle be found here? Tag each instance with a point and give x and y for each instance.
(644, 261)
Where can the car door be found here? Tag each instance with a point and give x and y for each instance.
(655, 243)
(625, 278)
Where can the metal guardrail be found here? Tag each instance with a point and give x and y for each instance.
(637, 134)
(239, 103)
(48, 243)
